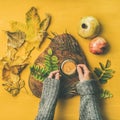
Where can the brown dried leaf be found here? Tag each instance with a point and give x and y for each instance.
(10, 56)
(12, 72)
(21, 83)
(6, 72)
(17, 69)
(45, 23)
(14, 78)
(15, 92)
(16, 39)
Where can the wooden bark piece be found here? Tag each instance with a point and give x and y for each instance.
(63, 46)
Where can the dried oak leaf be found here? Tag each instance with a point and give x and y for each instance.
(16, 39)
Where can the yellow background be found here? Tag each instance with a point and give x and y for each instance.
(66, 15)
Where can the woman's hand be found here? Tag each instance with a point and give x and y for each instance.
(55, 75)
(83, 72)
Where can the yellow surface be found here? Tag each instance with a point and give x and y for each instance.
(65, 16)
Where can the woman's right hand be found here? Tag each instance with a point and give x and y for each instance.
(83, 72)
(55, 74)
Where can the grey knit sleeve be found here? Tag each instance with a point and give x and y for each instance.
(48, 99)
(89, 106)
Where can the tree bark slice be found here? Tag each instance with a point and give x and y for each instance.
(64, 46)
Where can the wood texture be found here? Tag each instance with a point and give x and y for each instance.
(64, 46)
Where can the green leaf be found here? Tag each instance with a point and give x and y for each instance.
(47, 57)
(42, 70)
(102, 81)
(98, 72)
(104, 78)
(109, 71)
(102, 66)
(108, 64)
(105, 94)
(50, 64)
(54, 62)
(54, 58)
(55, 68)
(38, 73)
(110, 95)
(49, 51)
(47, 63)
(107, 76)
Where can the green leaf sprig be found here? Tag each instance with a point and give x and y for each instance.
(38, 73)
(50, 64)
(105, 94)
(51, 61)
(104, 72)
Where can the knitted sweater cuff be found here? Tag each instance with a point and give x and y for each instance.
(51, 86)
(48, 99)
(88, 87)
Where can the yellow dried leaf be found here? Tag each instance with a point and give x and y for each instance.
(14, 78)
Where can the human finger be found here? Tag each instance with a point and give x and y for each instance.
(57, 76)
(86, 72)
(80, 72)
(84, 68)
(52, 74)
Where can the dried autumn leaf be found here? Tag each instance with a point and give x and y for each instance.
(32, 26)
(42, 35)
(32, 23)
(14, 78)
(15, 92)
(16, 39)
(7, 86)
(10, 55)
(21, 83)
(17, 69)
(8, 72)
(18, 26)
(22, 56)
(34, 29)
(45, 23)
(33, 18)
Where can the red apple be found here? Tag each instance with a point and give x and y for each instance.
(98, 45)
